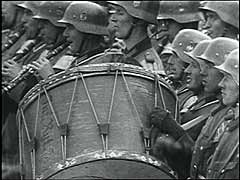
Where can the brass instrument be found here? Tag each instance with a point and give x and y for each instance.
(27, 70)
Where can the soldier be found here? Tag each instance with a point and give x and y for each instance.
(205, 101)
(185, 40)
(84, 34)
(222, 19)
(178, 145)
(15, 37)
(225, 160)
(129, 20)
(12, 67)
(174, 16)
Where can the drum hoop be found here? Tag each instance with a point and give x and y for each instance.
(71, 74)
(111, 155)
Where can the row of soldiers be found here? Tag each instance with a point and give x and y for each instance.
(193, 45)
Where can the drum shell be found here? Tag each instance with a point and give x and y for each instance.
(83, 133)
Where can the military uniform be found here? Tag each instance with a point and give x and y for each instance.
(225, 161)
(207, 141)
(199, 107)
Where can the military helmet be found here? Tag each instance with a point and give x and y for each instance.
(218, 49)
(231, 65)
(180, 11)
(144, 10)
(185, 41)
(86, 17)
(198, 51)
(31, 5)
(16, 2)
(52, 11)
(228, 11)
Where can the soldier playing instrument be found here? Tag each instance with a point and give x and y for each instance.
(27, 70)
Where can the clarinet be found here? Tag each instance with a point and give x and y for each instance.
(27, 70)
(13, 39)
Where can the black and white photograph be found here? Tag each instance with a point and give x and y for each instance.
(120, 90)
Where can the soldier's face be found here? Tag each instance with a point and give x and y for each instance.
(214, 25)
(75, 37)
(211, 77)
(49, 32)
(31, 25)
(175, 68)
(120, 21)
(194, 78)
(229, 90)
(8, 14)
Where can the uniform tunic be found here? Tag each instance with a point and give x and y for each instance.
(225, 160)
(206, 142)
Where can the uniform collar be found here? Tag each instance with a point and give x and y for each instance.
(139, 47)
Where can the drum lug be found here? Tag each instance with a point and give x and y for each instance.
(33, 144)
(145, 133)
(114, 68)
(103, 128)
(63, 129)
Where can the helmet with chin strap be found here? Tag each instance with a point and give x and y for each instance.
(218, 50)
(52, 11)
(180, 11)
(231, 65)
(144, 10)
(87, 17)
(228, 11)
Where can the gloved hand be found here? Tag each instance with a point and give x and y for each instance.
(174, 154)
(165, 122)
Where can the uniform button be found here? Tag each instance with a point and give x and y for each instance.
(222, 171)
(201, 148)
(195, 166)
(209, 171)
(227, 129)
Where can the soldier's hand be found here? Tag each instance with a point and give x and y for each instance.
(43, 67)
(11, 69)
(157, 117)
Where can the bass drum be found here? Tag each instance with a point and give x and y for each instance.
(92, 122)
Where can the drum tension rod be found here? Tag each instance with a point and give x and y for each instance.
(145, 133)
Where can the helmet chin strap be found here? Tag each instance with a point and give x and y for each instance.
(131, 30)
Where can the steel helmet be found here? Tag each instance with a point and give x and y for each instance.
(185, 41)
(218, 49)
(52, 11)
(86, 17)
(228, 11)
(180, 11)
(198, 50)
(145, 10)
(31, 5)
(231, 65)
